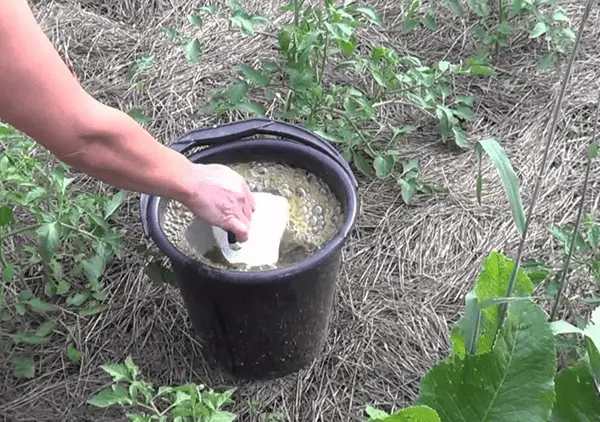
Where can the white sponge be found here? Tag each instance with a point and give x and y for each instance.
(266, 230)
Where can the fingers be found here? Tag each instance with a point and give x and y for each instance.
(239, 228)
(250, 197)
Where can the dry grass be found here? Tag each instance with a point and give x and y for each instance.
(406, 268)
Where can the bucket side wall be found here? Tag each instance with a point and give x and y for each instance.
(262, 331)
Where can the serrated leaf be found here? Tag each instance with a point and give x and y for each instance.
(193, 50)
(49, 239)
(110, 397)
(23, 367)
(375, 414)
(577, 398)
(510, 183)
(513, 382)
(253, 75)
(115, 202)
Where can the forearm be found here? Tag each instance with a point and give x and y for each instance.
(40, 97)
(119, 152)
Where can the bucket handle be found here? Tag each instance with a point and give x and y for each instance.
(241, 129)
(258, 126)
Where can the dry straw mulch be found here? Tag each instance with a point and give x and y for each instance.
(406, 268)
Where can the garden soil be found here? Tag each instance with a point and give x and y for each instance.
(406, 268)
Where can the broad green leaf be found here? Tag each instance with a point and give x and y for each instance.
(371, 14)
(110, 397)
(250, 108)
(547, 61)
(115, 202)
(8, 273)
(375, 414)
(38, 305)
(508, 177)
(560, 15)
(363, 165)
(193, 50)
(576, 396)
(492, 283)
(455, 7)
(513, 382)
(538, 30)
(237, 92)
(195, 20)
(23, 367)
(464, 113)
(49, 238)
(6, 216)
(253, 75)
(94, 268)
(383, 165)
(118, 371)
(408, 189)
(209, 10)
(414, 414)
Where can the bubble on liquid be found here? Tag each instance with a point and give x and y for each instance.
(301, 192)
(318, 210)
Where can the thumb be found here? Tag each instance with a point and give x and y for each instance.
(238, 228)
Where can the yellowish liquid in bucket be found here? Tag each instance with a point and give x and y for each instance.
(315, 214)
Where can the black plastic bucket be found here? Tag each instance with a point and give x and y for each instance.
(264, 324)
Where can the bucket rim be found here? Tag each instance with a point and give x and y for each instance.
(151, 214)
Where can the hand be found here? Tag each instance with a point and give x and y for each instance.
(220, 196)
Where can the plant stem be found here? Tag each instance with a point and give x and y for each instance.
(541, 173)
(19, 231)
(567, 264)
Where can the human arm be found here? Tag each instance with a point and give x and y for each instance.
(40, 97)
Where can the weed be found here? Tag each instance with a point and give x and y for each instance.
(46, 230)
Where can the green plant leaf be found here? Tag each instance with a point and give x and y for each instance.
(576, 396)
(414, 414)
(6, 216)
(110, 397)
(193, 50)
(115, 202)
(237, 92)
(253, 75)
(455, 7)
(371, 14)
(513, 382)
(508, 177)
(195, 20)
(383, 165)
(118, 371)
(492, 283)
(49, 238)
(139, 115)
(73, 354)
(8, 273)
(250, 108)
(538, 30)
(23, 367)
(94, 268)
